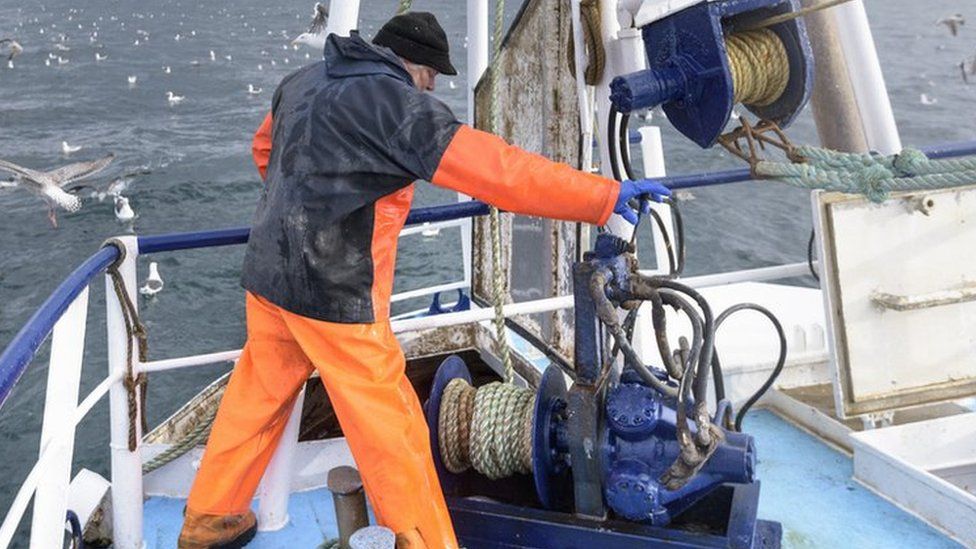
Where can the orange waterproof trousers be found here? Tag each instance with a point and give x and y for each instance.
(362, 368)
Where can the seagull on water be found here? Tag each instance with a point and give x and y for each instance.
(154, 282)
(123, 212)
(132, 80)
(926, 100)
(314, 37)
(68, 149)
(174, 99)
(100, 57)
(252, 90)
(49, 185)
(952, 22)
(14, 49)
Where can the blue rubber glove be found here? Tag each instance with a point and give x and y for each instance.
(642, 188)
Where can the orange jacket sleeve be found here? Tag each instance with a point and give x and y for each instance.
(261, 146)
(482, 165)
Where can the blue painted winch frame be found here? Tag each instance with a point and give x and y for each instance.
(688, 70)
(599, 453)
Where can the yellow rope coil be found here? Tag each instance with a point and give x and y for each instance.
(760, 68)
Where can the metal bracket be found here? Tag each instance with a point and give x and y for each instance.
(877, 420)
(756, 138)
(924, 301)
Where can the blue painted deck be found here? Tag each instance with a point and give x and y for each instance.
(806, 485)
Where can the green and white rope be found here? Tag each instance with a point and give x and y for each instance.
(404, 6)
(488, 428)
(873, 176)
(194, 437)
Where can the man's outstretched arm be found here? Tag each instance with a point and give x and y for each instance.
(482, 165)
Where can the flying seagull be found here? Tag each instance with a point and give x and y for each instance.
(14, 48)
(967, 67)
(49, 185)
(952, 22)
(314, 37)
(113, 188)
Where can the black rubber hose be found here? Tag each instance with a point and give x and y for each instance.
(680, 304)
(659, 320)
(780, 362)
(672, 261)
(717, 379)
(813, 271)
(679, 234)
(612, 142)
(623, 145)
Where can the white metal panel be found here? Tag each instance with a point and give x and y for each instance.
(906, 464)
(912, 246)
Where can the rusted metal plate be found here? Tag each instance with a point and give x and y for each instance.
(528, 97)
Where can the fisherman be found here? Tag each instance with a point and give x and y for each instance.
(345, 140)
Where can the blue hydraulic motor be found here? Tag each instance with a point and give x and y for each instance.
(706, 58)
(636, 446)
(636, 441)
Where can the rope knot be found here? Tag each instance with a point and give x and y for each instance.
(873, 183)
(909, 162)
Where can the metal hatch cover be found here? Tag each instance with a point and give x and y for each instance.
(899, 282)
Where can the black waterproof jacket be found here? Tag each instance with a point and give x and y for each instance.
(346, 132)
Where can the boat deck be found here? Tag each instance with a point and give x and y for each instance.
(806, 485)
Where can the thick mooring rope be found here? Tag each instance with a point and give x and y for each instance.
(191, 440)
(760, 68)
(874, 176)
(404, 6)
(488, 428)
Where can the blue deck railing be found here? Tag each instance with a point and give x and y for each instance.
(20, 351)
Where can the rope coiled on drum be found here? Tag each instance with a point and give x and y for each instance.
(759, 65)
(488, 428)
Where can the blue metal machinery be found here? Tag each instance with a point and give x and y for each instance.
(689, 73)
(602, 449)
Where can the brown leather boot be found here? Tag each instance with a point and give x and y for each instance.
(217, 532)
(410, 539)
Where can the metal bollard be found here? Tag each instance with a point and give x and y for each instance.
(350, 502)
(373, 537)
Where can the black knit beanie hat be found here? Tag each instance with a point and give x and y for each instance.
(417, 37)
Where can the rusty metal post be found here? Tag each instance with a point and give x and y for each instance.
(350, 502)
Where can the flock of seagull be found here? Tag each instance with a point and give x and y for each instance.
(60, 188)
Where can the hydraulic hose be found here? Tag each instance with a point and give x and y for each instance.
(780, 361)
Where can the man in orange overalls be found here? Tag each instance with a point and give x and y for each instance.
(351, 134)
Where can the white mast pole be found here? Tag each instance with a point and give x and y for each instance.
(864, 70)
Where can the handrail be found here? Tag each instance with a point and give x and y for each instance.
(19, 353)
(21, 349)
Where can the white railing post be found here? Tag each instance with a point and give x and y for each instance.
(126, 465)
(276, 483)
(343, 17)
(477, 22)
(60, 403)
